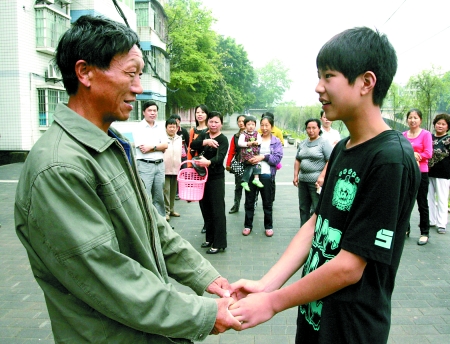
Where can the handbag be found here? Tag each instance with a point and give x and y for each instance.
(200, 170)
(237, 167)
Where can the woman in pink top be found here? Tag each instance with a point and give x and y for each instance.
(423, 150)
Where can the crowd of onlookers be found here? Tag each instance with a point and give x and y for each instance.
(254, 154)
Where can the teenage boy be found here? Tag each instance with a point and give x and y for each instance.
(358, 228)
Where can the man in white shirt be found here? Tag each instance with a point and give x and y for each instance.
(151, 141)
(332, 135)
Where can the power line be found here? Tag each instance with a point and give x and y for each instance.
(425, 40)
(394, 12)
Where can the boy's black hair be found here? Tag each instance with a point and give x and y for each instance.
(359, 50)
(249, 119)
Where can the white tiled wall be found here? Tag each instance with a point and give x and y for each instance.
(22, 68)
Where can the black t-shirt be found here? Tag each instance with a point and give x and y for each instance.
(364, 208)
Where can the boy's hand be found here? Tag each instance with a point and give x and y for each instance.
(253, 310)
(243, 287)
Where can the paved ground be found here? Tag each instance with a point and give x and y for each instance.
(421, 300)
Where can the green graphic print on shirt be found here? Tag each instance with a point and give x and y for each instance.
(326, 242)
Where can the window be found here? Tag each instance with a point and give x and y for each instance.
(150, 15)
(50, 25)
(143, 15)
(47, 100)
(159, 62)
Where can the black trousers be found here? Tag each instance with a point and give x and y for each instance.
(213, 211)
(422, 204)
(267, 199)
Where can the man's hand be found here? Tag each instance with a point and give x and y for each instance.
(253, 310)
(243, 287)
(224, 319)
(220, 287)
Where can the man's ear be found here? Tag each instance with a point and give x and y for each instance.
(82, 70)
(369, 80)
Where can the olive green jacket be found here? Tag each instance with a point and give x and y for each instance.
(98, 248)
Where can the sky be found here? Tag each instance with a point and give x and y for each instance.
(293, 31)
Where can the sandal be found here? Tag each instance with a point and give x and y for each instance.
(423, 240)
(246, 231)
(269, 232)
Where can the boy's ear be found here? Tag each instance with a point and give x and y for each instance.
(369, 80)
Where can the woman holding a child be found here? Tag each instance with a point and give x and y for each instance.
(270, 155)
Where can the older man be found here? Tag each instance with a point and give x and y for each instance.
(96, 246)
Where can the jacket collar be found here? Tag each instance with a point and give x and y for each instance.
(81, 129)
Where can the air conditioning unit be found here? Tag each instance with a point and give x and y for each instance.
(65, 2)
(52, 73)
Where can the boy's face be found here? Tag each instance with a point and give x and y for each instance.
(250, 126)
(339, 99)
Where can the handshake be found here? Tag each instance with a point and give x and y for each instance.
(242, 305)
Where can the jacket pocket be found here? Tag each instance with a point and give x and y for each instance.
(115, 192)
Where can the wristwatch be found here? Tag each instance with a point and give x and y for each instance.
(154, 149)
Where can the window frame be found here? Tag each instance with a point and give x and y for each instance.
(46, 109)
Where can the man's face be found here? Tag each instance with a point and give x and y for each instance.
(325, 122)
(115, 88)
(151, 113)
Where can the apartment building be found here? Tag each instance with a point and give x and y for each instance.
(31, 86)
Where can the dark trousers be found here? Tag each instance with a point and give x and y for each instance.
(308, 199)
(249, 171)
(267, 199)
(422, 204)
(237, 190)
(213, 210)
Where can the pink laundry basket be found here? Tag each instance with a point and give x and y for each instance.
(190, 184)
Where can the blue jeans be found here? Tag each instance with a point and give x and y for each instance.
(249, 171)
(308, 199)
(153, 176)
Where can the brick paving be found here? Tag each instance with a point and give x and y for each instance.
(420, 305)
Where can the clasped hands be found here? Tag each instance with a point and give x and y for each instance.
(242, 304)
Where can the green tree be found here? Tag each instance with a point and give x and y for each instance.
(426, 89)
(272, 81)
(192, 51)
(396, 105)
(232, 92)
(444, 99)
